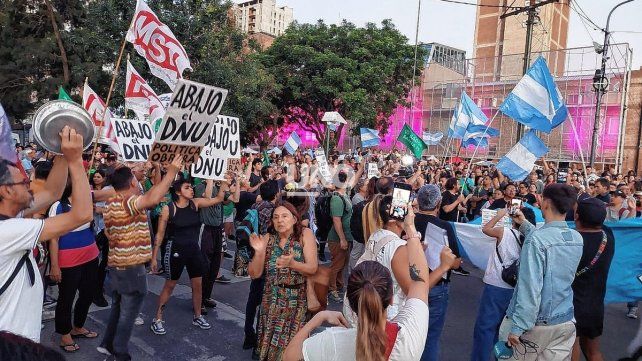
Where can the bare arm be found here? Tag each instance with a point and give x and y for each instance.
(102, 195)
(491, 231)
(310, 264)
(357, 175)
(54, 271)
(52, 191)
(400, 268)
(156, 193)
(208, 201)
(157, 173)
(81, 212)
(449, 207)
(160, 235)
(257, 264)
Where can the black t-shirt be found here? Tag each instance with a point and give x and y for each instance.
(498, 204)
(254, 179)
(589, 288)
(604, 198)
(421, 224)
(528, 198)
(446, 199)
(246, 200)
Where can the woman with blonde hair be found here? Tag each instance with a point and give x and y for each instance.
(369, 295)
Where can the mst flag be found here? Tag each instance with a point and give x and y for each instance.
(141, 98)
(412, 141)
(154, 41)
(536, 101)
(96, 109)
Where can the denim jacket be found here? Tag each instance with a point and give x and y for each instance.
(548, 263)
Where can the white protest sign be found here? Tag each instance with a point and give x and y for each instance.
(235, 165)
(223, 142)
(135, 138)
(188, 122)
(372, 170)
(488, 214)
(322, 164)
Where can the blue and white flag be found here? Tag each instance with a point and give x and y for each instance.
(481, 142)
(432, 138)
(536, 101)
(369, 137)
(480, 131)
(519, 161)
(333, 126)
(292, 143)
(466, 114)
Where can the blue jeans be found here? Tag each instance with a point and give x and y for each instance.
(492, 308)
(437, 304)
(129, 287)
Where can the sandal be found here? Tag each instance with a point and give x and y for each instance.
(74, 347)
(88, 334)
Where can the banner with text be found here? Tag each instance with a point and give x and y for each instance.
(322, 162)
(223, 143)
(188, 122)
(135, 138)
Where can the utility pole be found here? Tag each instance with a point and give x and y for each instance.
(600, 83)
(531, 11)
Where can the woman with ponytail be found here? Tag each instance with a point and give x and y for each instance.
(370, 292)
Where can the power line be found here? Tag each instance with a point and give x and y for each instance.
(479, 5)
(586, 15)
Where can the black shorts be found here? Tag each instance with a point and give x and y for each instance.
(590, 321)
(176, 259)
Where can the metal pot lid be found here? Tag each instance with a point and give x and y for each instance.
(50, 118)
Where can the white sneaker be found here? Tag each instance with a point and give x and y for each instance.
(139, 321)
(157, 327)
(633, 313)
(103, 350)
(201, 322)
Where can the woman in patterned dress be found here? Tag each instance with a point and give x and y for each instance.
(286, 255)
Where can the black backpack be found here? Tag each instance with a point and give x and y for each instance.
(356, 222)
(323, 214)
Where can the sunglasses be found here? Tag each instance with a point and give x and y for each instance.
(25, 182)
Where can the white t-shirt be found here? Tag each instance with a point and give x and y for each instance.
(21, 303)
(509, 249)
(384, 257)
(339, 344)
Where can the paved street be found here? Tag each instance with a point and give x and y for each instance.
(223, 342)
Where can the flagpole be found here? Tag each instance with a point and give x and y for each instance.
(577, 140)
(478, 143)
(111, 89)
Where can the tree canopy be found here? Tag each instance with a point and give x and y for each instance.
(363, 73)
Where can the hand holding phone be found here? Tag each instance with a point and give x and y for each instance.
(515, 205)
(400, 200)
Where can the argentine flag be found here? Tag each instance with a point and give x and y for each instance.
(466, 114)
(519, 161)
(369, 137)
(292, 143)
(432, 138)
(536, 101)
(481, 142)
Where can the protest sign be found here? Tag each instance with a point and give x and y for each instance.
(488, 214)
(372, 170)
(223, 143)
(322, 163)
(135, 138)
(235, 165)
(188, 122)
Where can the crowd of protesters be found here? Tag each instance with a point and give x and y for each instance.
(310, 243)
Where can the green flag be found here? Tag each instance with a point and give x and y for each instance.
(412, 141)
(266, 159)
(62, 94)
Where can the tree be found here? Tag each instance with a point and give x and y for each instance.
(363, 73)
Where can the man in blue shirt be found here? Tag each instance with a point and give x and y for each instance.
(541, 310)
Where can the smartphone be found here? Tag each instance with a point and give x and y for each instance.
(562, 172)
(515, 205)
(400, 199)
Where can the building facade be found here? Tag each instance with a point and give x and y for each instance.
(263, 20)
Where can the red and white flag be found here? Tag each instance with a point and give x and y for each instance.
(96, 107)
(141, 98)
(154, 41)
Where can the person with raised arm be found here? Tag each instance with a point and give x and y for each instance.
(21, 292)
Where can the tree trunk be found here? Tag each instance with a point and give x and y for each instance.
(63, 53)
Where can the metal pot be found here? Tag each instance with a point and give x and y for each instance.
(50, 118)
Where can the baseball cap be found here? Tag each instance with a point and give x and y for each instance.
(618, 193)
(428, 197)
(591, 211)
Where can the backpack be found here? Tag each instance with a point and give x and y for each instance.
(323, 214)
(356, 222)
(249, 225)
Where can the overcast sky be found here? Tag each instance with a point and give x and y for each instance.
(454, 24)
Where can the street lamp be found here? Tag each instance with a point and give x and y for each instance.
(600, 83)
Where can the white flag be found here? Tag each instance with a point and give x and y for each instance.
(96, 109)
(154, 41)
(141, 98)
